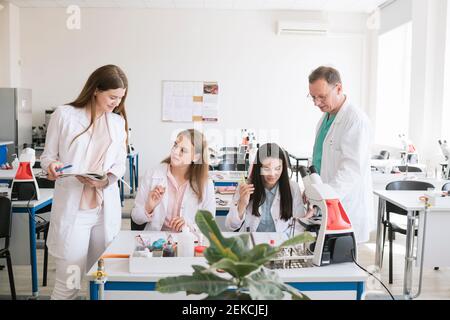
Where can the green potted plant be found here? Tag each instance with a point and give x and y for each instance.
(245, 276)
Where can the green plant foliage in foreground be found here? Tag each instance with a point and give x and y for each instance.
(245, 275)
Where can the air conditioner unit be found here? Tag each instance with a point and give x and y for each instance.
(303, 27)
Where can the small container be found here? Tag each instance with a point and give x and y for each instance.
(199, 250)
(168, 250)
(157, 253)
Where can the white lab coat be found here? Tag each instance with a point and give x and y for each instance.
(346, 166)
(189, 205)
(67, 122)
(233, 222)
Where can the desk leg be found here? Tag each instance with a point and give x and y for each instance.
(359, 290)
(136, 170)
(409, 255)
(130, 165)
(93, 290)
(33, 258)
(122, 196)
(379, 249)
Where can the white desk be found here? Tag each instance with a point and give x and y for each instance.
(226, 178)
(380, 180)
(431, 234)
(10, 174)
(338, 281)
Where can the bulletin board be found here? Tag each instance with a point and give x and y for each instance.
(188, 101)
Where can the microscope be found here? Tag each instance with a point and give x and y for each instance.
(24, 186)
(335, 241)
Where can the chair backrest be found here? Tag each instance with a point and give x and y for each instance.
(227, 166)
(5, 217)
(446, 187)
(45, 183)
(404, 185)
(409, 185)
(137, 227)
(384, 154)
(229, 149)
(410, 169)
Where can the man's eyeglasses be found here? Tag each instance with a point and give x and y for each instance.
(320, 98)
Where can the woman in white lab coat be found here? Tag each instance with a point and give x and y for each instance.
(270, 200)
(171, 193)
(89, 134)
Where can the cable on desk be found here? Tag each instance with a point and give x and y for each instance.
(353, 257)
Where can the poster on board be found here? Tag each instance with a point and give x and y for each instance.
(188, 101)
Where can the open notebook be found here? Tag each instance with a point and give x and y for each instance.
(98, 176)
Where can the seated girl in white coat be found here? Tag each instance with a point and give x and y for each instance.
(270, 199)
(171, 194)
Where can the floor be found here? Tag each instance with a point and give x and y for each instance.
(436, 283)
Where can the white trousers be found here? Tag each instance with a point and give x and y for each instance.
(87, 243)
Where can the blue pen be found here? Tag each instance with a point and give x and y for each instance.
(63, 168)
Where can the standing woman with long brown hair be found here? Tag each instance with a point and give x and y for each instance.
(89, 134)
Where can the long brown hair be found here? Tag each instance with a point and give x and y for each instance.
(104, 78)
(197, 173)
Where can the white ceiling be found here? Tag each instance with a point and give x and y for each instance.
(313, 5)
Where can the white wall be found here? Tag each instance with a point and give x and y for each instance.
(262, 76)
(9, 45)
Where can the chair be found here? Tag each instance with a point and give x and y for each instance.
(43, 225)
(410, 169)
(392, 208)
(227, 166)
(383, 155)
(137, 227)
(228, 162)
(229, 149)
(445, 187)
(5, 233)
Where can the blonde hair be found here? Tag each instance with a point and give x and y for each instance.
(197, 173)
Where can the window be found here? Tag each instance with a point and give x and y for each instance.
(393, 85)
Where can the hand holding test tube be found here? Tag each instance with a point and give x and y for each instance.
(245, 190)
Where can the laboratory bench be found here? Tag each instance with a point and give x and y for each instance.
(338, 281)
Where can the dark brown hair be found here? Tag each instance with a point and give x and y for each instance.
(271, 150)
(104, 78)
(329, 74)
(197, 173)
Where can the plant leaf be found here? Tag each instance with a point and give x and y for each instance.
(201, 281)
(230, 295)
(301, 238)
(233, 248)
(260, 254)
(266, 284)
(235, 268)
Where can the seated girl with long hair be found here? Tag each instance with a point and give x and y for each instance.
(172, 193)
(269, 200)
